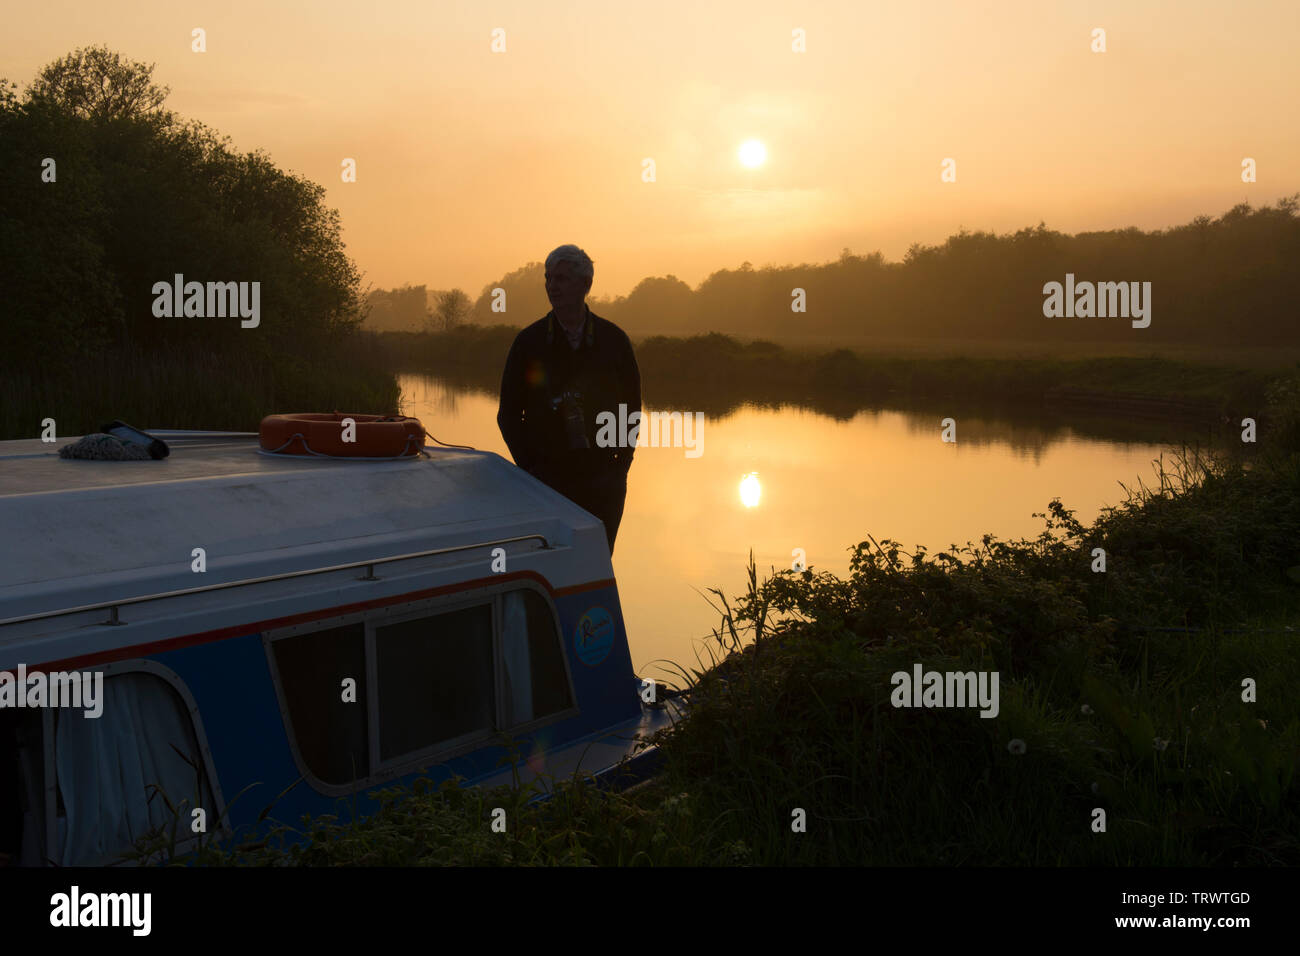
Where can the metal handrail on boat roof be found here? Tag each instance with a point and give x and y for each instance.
(369, 565)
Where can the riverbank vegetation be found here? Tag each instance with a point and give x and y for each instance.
(1158, 692)
(717, 374)
(174, 387)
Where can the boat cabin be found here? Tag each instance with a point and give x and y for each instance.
(293, 630)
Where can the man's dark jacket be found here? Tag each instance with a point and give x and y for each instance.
(599, 375)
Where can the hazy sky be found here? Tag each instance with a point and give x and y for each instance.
(471, 163)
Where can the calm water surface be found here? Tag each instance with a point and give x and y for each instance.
(771, 481)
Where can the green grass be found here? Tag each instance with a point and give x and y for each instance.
(447, 824)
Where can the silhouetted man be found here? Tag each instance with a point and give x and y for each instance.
(563, 371)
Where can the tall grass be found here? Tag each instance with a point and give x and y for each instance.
(192, 389)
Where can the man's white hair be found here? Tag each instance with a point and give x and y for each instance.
(583, 265)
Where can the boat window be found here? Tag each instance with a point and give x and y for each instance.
(536, 683)
(436, 680)
(328, 723)
(114, 770)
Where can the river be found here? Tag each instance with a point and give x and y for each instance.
(776, 480)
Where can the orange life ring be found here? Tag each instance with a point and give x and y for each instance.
(321, 435)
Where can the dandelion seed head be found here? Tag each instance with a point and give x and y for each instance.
(1017, 746)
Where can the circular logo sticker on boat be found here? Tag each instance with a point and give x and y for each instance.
(594, 636)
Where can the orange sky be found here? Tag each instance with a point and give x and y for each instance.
(471, 163)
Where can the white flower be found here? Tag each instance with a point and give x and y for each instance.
(1086, 710)
(1017, 746)
(1160, 743)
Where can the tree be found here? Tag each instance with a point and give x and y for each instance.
(140, 196)
(96, 83)
(454, 308)
(524, 297)
(398, 310)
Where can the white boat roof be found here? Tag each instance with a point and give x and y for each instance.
(79, 532)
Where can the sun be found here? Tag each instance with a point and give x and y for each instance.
(752, 153)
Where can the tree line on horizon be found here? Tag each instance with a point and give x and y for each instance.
(1215, 281)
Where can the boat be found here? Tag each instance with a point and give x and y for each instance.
(260, 630)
